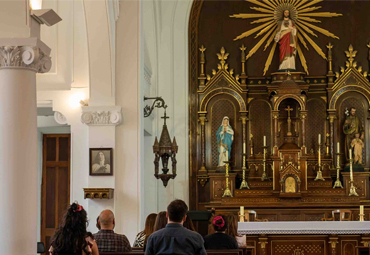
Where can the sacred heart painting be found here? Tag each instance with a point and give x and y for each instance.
(101, 161)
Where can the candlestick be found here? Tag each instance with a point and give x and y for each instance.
(362, 213)
(264, 140)
(350, 153)
(227, 192)
(244, 148)
(352, 189)
(244, 184)
(319, 172)
(264, 174)
(241, 214)
(338, 183)
(338, 147)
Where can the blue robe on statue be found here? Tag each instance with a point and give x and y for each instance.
(224, 141)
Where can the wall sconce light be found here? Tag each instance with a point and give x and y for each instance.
(164, 149)
(46, 16)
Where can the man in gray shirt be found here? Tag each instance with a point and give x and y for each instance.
(174, 238)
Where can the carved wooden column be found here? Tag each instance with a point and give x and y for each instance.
(331, 117)
(303, 117)
(262, 241)
(275, 117)
(333, 241)
(202, 173)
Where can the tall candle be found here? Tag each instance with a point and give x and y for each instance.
(244, 148)
(350, 165)
(241, 210)
(338, 147)
(361, 209)
(264, 140)
(319, 138)
(350, 153)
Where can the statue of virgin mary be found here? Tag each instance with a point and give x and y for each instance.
(225, 138)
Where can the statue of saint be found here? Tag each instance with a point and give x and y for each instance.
(287, 37)
(357, 145)
(225, 137)
(351, 127)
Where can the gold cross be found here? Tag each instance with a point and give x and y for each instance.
(288, 109)
(329, 46)
(243, 48)
(202, 49)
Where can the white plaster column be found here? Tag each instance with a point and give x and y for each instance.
(20, 60)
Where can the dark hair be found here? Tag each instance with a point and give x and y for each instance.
(232, 227)
(219, 223)
(97, 223)
(97, 158)
(177, 210)
(188, 223)
(160, 221)
(149, 224)
(71, 234)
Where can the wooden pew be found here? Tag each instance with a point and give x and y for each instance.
(209, 252)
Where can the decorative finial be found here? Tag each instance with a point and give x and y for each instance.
(329, 46)
(202, 49)
(222, 57)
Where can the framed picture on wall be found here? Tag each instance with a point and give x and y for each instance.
(101, 161)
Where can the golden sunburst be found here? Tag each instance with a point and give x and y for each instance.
(302, 12)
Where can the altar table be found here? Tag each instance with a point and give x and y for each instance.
(306, 237)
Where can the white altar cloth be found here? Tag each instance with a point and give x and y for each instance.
(305, 227)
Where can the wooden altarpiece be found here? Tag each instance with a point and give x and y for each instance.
(291, 110)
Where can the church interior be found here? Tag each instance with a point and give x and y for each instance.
(253, 108)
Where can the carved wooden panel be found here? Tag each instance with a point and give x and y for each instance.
(220, 109)
(314, 216)
(260, 124)
(306, 247)
(316, 118)
(290, 217)
(348, 247)
(218, 185)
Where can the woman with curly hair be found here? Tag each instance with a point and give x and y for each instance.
(220, 240)
(71, 237)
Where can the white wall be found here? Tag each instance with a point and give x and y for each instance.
(165, 26)
(109, 70)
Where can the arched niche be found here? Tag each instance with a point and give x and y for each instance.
(361, 103)
(283, 119)
(260, 124)
(217, 109)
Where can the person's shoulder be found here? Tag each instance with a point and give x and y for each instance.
(192, 233)
(159, 232)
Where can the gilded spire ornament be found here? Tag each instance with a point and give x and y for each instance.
(269, 16)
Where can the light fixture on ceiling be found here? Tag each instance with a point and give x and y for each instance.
(46, 16)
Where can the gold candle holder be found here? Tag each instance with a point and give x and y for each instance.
(244, 184)
(241, 214)
(361, 213)
(352, 189)
(338, 183)
(264, 174)
(227, 192)
(319, 172)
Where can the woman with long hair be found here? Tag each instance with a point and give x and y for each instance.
(148, 230)
(232, 230)
(160, 222)
(220, 240)
(71, 237)
(188, 223)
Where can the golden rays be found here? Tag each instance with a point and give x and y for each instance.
(302, 12)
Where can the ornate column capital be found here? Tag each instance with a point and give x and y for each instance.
(203, 120)
(275, 114)
(101, 115)
(24, 53)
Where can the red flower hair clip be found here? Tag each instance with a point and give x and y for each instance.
(79, 208)
(220, 225)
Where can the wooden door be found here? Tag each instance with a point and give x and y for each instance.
(55, 183)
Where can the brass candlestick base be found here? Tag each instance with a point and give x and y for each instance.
(227, 193)
(264, 177)
(338, 184)
(352, 190)
(319, 175)
(362, 217)
(244, 184)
